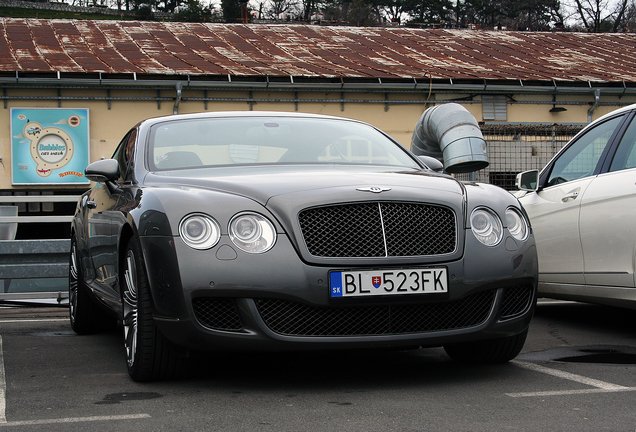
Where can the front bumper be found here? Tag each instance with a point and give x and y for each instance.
(223, 299)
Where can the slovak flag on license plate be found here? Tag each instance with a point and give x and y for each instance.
(376, 281)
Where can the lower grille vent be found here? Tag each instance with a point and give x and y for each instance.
(295, 319)
(217, 313)
(516, 301)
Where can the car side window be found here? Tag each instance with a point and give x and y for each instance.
(582, 157)
(625, 156)
(125, 153)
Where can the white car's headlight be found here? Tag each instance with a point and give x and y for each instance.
(199, 231)
(517, 224)
(486, 226)
(252, 233)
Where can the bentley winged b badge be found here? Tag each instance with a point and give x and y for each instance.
(374, 189)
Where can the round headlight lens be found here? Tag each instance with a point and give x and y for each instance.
(199, 231)
(517, 224)
(486, 226)
(252, 233)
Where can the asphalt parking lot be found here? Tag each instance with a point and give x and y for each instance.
(577, 372)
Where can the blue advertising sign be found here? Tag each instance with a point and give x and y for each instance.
(49, 146)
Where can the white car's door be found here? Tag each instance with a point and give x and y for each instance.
(608, 226)
(554, 213)
(555, 209)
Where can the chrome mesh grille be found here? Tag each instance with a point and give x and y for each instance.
(361, 230)
(516, 301)
(217, 313)
(296, 319)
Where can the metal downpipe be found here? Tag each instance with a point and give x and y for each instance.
(597, 99)
(177, 101)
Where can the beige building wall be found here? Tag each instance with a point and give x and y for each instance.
(396, 115)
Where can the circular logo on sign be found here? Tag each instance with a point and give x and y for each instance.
(74, 121)
(51, 147)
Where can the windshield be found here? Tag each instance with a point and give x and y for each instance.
(191, 143)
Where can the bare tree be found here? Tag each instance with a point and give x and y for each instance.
(600, 15)
(309, 7)
(394, 9)
(629, 21)
(559, 14)
(621, 11)
(277, 8)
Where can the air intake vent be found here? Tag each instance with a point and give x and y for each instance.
(516, 301)
(217, 313)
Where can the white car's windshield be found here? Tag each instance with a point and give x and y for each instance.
(184, 144)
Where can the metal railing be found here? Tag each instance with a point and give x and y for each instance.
(35, 269)
(37, 198)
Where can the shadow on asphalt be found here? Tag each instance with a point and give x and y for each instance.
(588, 316)
(346, 369)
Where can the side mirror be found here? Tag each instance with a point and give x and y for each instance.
(432, 163)
(103, 171)
(528, 180)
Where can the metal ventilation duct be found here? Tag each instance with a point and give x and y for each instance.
(450, 133)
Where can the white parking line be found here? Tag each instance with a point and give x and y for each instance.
(75, 420)
(12, 321)
(601, 386)
(3, 387)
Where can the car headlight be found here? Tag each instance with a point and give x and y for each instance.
(517, 224)
(486, 226)
(199, 231)
(252, 233)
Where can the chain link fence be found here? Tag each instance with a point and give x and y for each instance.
(514, 148)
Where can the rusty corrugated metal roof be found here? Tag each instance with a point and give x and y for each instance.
(162, 48)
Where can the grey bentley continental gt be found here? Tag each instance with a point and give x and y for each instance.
(275, 231)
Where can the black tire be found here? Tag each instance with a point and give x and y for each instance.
(498, 350)
(149, 355)
(85, 316)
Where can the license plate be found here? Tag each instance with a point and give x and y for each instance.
(388, 282)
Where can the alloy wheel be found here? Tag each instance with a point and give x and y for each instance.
(131, 311)
(73, 283)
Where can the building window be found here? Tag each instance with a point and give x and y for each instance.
(494, 107)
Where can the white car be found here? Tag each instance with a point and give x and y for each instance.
(582, 207)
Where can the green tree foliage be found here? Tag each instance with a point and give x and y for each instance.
(354, 12)
(308, 8)
(231, 11)
(438, 12)
(533, 14)
(144, 12)
(393, 10)
(512, 14)
(194, 11)
(279, 8)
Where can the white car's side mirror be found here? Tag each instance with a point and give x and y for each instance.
(528, 180)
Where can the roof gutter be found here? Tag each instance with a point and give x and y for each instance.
(226, 85)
